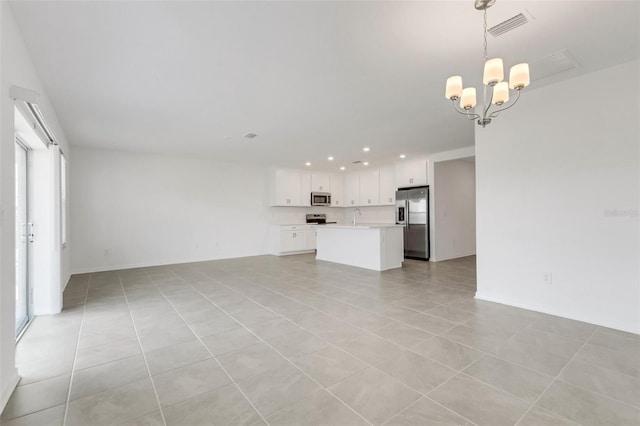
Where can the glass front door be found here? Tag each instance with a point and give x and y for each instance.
(22, 240)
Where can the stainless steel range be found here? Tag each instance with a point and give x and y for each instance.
(318, 219)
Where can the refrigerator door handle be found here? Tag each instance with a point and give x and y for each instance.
(407, 214)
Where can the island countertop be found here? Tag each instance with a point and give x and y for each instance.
(361, 226)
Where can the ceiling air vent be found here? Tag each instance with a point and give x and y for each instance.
(552, 64)
(508, 25)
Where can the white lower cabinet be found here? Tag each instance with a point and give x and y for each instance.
(291, 239)
(311, 237)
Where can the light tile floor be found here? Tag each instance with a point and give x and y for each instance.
(294, 341)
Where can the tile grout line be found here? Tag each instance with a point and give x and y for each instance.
(458, 372)
(554, 380)
(252, 283)
(272, 348)
(75, 355)
(461, 371)
(144, 356)
(435, 402)
(369, 365)
(337, 318)
(208, 350)
(485, 353)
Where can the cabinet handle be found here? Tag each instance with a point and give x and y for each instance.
(410, 180)
(369, 201)
(351, 201)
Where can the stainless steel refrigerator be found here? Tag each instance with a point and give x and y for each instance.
(412, 211)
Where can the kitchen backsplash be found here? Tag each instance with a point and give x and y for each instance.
(296, 215)
(379, 214)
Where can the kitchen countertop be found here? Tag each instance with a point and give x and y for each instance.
(363, 226)
(303, 224)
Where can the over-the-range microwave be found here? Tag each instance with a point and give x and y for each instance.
(320, 199)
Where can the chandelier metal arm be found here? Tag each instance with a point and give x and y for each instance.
(495, 113)
(486, 111)
(464, 111)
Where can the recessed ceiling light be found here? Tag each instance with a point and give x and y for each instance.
(250, 135)
(343, 168)
(366, 149)
(403, 156)
(307, 164)
(330, 158)
(366, 163)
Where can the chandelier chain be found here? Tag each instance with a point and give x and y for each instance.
(485, 35)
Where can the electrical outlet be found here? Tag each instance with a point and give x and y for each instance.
(106, 252)
(548, 278)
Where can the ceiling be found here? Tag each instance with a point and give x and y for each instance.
(311, 79)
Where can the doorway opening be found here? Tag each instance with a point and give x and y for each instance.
(454, 208)
(37, 223)
(23, 300)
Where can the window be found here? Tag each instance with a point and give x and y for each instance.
(63, 199)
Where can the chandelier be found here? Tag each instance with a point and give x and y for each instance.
(492, 79)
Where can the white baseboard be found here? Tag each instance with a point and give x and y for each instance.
(293, 252)
(455, 256)
(9, 388)
(629, 328)
(66, 282)
(89, 270)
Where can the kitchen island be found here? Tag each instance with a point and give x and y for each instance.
(371, 246)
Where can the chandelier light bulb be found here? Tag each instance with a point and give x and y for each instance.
(519, 76)
(454, 87)
(500, 93)
(493, 71)
(468, 99)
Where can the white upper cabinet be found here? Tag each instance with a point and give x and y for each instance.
(289, 187)
(388, 186)
(321, 182)
(305, 189)
(337, 190)
(411, 173)
(366, 187)
(352, 190)
(370, 188)
(284, 187)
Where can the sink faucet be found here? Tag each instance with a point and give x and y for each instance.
(354, 215)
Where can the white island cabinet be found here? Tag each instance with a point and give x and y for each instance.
(371, 246)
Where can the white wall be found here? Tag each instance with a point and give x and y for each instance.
(455, 208)
(135, 209)
(558, 192)
(16, 68)
(453, 154)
